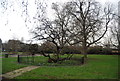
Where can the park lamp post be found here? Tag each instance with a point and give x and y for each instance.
(0, 59)
(0, 46)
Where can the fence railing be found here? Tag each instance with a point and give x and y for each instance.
(25, 59)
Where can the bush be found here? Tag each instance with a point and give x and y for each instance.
(71, 50)
(99, 50)
(6, 55)
(106, 51)
(95, 50)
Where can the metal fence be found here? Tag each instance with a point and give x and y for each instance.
(30, 59)
(38, 60)
(26, 59)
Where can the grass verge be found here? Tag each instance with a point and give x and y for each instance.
(10, 64)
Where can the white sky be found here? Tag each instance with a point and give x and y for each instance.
(12, 24)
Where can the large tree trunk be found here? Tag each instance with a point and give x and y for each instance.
(84, 47)
(58, 52)
(85, 51)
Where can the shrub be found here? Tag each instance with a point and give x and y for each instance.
(95, 50)
(99, 50)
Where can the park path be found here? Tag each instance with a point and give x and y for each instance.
(18, 72)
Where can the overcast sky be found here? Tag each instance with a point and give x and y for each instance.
(12, 25)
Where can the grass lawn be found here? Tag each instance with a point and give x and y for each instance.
(10, 64)
(96, 67)
(1, 55)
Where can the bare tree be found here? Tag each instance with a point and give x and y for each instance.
(115, 36)
(90, 22)
(54, 31)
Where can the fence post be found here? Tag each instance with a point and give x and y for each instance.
(18, 59)
(6, 55)
(33, 58)
(82, 60)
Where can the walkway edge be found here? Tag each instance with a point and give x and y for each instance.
(18, 72)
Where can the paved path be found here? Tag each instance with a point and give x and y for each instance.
(18, 72)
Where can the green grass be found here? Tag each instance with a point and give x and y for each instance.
(96, 67)
(2, 55)
(10, 64)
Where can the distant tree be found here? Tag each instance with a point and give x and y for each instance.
(115, 32)
(48, 47)
(14, 45)
(33, 48)
(71, 50)
(95, 50)
(5, 47)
